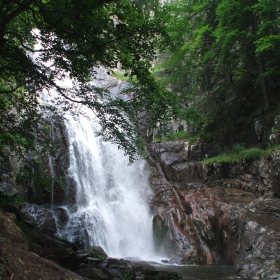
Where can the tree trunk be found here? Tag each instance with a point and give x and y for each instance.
(262, 83)
(260, 66)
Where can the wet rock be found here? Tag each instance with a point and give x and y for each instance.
(146, 271)
(62, 215)
(40, 216)
(175, 231)
(95, 254)
(223, 212)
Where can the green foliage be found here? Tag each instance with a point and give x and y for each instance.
(35, 175)
(238, 153)
(271, 149)
(253, 153)
(274, 131)
(92, 248)
(77, 37)
(181, 135)
(11, 200)
(145, 154)
(120, 76)
(97, 254)
(237, 148)
(222, 60)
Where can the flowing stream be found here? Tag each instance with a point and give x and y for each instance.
(112, 198)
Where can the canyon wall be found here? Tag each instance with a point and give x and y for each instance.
(222, 212)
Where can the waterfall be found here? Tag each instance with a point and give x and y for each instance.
(107, 200)
(112, 198)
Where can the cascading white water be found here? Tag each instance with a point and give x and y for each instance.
(111, 206)
(112, 199)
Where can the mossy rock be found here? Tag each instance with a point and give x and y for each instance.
(97, 252)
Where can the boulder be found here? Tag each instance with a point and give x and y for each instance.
(60, 251)
(41, 216)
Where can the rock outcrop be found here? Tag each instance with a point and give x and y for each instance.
(17, 262)
(207, 213)
(29, 253)
(40, 180)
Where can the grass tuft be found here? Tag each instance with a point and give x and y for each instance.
(238, 153)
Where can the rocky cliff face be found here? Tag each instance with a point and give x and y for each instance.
(206, 213)
(40, 180)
